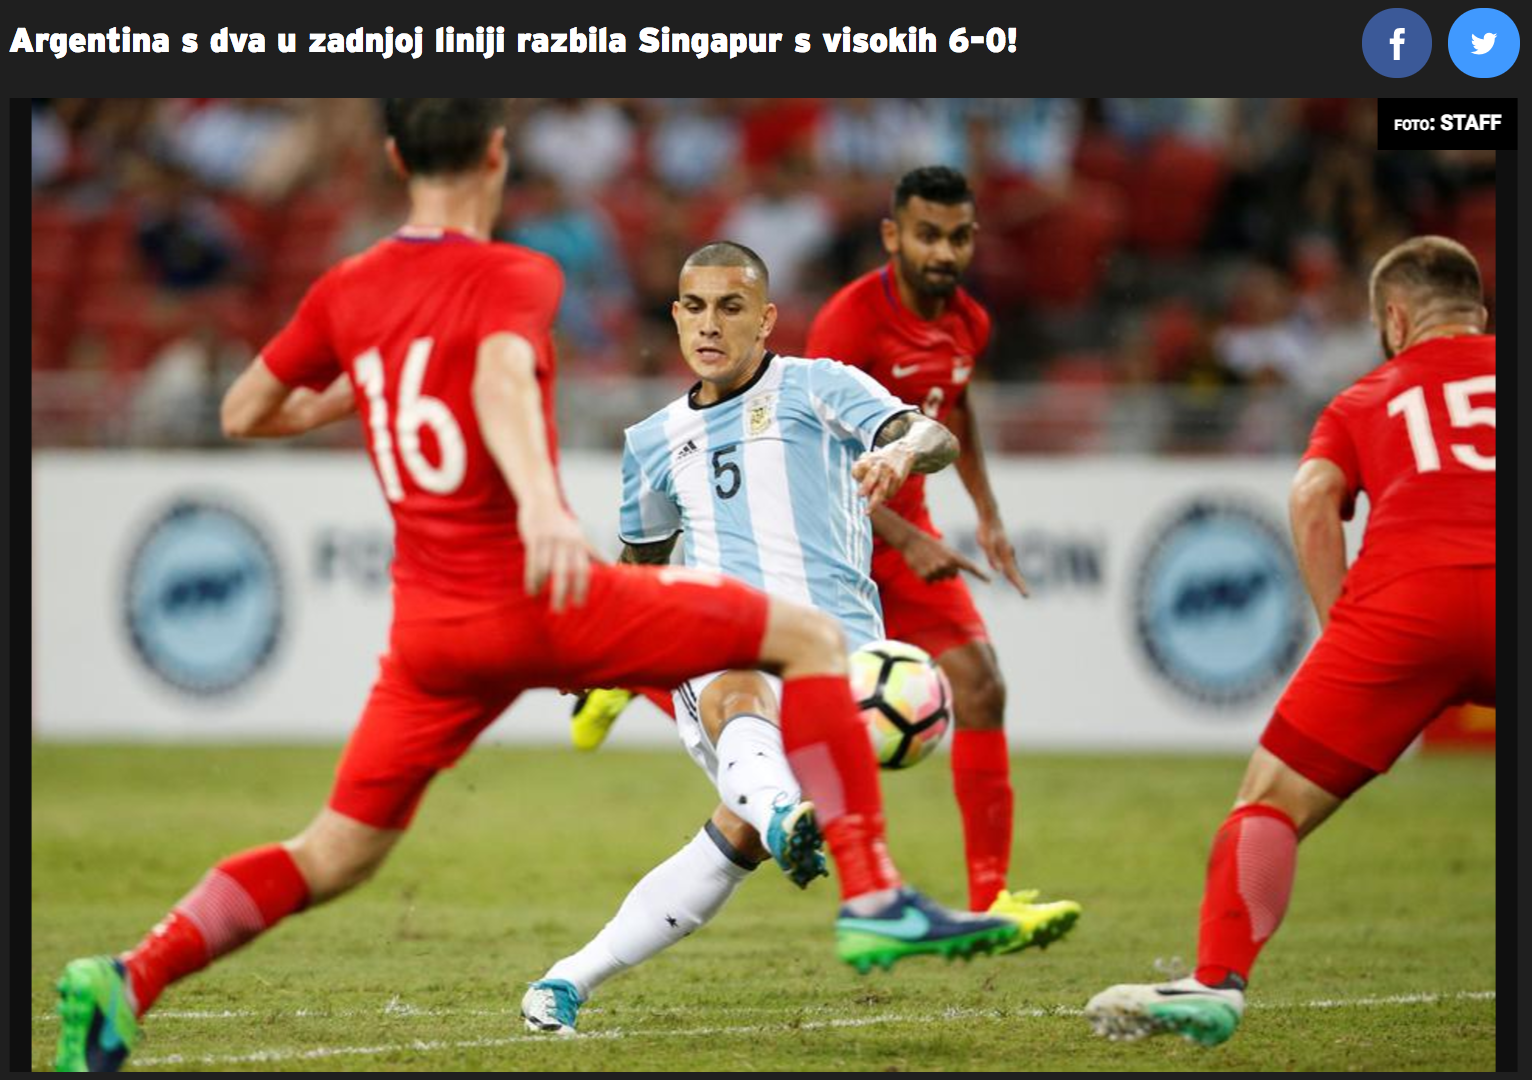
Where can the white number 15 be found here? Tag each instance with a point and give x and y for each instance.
(1462, 411)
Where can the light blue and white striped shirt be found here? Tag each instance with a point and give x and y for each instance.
(761, 485)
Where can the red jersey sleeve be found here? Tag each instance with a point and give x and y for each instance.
(301, 354)
(1332, 441)
(839, 332)
(522, 298)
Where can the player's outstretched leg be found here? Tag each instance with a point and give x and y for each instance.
(672, 901)
(101, 999)
(1249, 882)
(981, 780)
(827, 745)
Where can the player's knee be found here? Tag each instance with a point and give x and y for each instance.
(732, 694)
(805, 642)
(1271, 782)
(336, 859)
(979, 699)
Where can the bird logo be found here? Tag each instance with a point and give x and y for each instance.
(1482, 45)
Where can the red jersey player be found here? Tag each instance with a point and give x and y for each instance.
(1408, 630)
(442, 341)
(911, 326)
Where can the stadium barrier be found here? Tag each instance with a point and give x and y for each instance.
(234, 597)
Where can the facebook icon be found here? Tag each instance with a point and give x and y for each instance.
(1396, 42)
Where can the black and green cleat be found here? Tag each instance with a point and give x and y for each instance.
(912, 925)
(97, 1029)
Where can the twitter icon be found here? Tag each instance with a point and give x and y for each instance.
(1483, 43)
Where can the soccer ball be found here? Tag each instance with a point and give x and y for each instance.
(905, 700)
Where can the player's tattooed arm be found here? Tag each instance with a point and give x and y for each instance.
(933, 446)
(904, 444)
(655, 554)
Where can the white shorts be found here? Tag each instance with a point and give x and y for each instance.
(689, 720)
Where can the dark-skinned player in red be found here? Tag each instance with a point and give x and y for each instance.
(912, 326)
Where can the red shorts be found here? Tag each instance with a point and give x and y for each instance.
(443, 681)
(935, 615)
(1385, 667)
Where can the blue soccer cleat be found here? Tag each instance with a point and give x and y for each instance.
(913, 924)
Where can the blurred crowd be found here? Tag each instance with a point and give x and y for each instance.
(1214, 248)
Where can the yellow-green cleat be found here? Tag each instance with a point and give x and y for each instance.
(97, 1028)
(594, 714)
(1040, 924)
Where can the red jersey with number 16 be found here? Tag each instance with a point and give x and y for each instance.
(1418, 436)
(925, 363)
(403, 320)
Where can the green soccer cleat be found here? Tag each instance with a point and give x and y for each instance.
(795, 843)
(594, 714)
(552, 1006)
(912, 925)
(1201, 1014)
(1041, 924)
(97, 1028)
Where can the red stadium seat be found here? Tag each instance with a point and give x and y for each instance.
(1474, 227)
(1172, 192)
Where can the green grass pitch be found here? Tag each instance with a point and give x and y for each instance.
(1386, 959)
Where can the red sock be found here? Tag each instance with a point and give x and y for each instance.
(828, 749)
(981, 776)
(1250, 879)
(241, 897)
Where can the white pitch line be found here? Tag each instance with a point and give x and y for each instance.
(320, 1053)
(397, 1009)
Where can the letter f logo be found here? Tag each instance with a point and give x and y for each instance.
(1397, 41)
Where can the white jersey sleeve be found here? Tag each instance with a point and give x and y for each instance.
(649, 513)
(850, 402)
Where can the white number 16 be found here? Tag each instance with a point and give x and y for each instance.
(416, 411)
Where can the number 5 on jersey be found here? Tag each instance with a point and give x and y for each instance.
(416, 411)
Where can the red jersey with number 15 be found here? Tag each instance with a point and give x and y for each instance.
(925, 363)
(1417, 434)
(403, 320)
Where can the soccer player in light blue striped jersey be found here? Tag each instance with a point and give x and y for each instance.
(769, 467)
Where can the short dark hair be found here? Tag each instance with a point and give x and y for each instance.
(438, 136)
(933, 183)
(1433, 269)
(728, 253)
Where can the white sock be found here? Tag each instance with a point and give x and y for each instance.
(752, 770)
(676, 897)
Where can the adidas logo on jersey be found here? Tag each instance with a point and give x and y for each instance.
(688, 450)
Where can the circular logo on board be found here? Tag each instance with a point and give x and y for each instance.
(203, 598)
(1219, 609)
